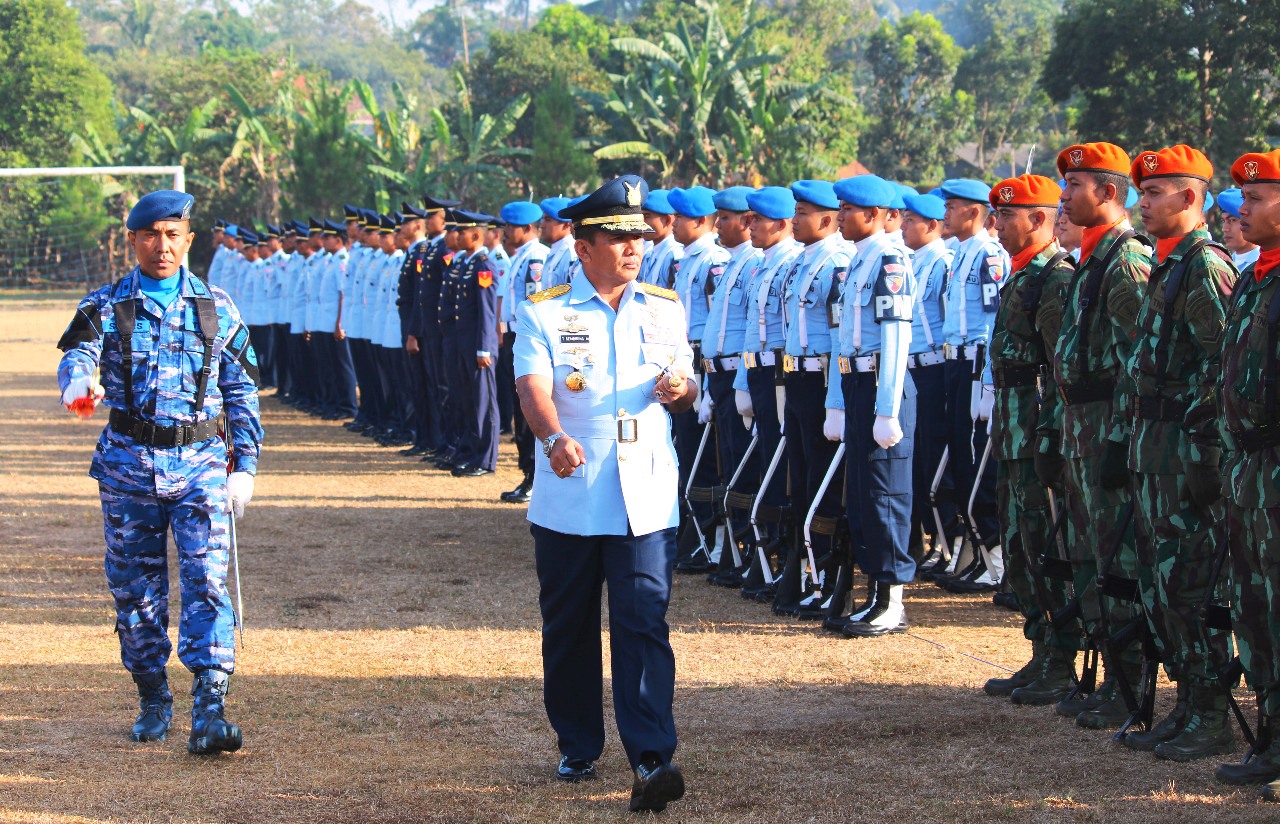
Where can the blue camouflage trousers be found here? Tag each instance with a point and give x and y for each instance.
(137, 526)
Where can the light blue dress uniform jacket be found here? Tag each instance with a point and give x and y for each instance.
(622, 485)
(560, 258)
(657, 266)
(389, 330)
(354, 312)
(726, 326)
(931, 265)
(704, 260)
(764, 320)
(333, 282)
(973, 294)
(499, 261)
(875, 313)
(298, 273)
(278, 264)
(231, 275)
(524, 278)
(259, 288)
(214, 275)
(812, 295)
(372, 287)
(315, 274)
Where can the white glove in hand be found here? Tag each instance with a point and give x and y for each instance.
(975, 399)
(986, 403)
(239, 492)
(833, 427)
(77, 388)
(743, 399)
(886, 431)
(780, 392)
(704, 408)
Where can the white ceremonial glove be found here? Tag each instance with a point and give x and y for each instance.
(986, 403)
(975, 399)
(77, 388)
(239, 492)
(833, 427)
(780, 392)
(704, 408)
(886, 431)
(743, 399)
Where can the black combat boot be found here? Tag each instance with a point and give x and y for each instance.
(210, 732)
(1208, 731)
(522, 493)
(1001, 687)
(156, 703)
(1052, 683)
(1112, 710)
(1259, 766)
(1167, 729)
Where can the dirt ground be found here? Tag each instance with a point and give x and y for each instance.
(391, 670)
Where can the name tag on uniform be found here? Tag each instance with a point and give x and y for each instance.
(575, 339)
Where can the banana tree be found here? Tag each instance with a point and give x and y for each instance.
(477, 145)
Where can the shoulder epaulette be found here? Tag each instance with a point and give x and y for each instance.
(658, 291)
(547, 294)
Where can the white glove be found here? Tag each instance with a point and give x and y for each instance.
(780, 392)
(743, 399)
(986, 403)
(704, 408)
(239, 492)
(77, 388)
(886, 431)
(833, 428)
(975, 399)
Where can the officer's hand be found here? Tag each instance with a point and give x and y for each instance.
(833, 426)
(483, 362)
(780, 396)
(239, 492)
(1114, 466)
(742, 399)
(306, 336)
(986, 403)
(887, 431)
(1204, 484)
(566, 456)
(411, 345)
(338, 334)
(77, 388)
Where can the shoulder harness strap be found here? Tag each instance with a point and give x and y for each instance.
(1093, 275)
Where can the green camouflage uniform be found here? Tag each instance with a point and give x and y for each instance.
(1022, 344)
(1093, 347)
(1168, 369)
(1249, 402)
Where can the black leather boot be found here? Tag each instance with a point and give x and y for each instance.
(522, 493)
(156, 707)
(210, 732)
(1167, 729)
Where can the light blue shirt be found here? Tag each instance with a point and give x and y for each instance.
(1243, 260)
(931, 265)
(811, 294)
(560, 256)
(764, 320)
(973, 294)
(703, 262)
(725, 330)
(389, 332)
(316, 265)
(333, 282)
(524, 277)
(354, 310)
(624, 484)
(659, 259)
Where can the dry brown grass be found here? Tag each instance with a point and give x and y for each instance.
(392, 670)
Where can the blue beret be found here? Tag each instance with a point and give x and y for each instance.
(1208, 200)
(927, 206)
(904, 191)
(521, 213)
(733, 199)
(696, 201)
(936, 191)
(231, 229)
(820, 193)
(773, 202)
(1229, 201)
(551, 207)
(967, 189)
(865, 191)
(614, 207)
(658, 202)
(1131, 199)
(165, 204)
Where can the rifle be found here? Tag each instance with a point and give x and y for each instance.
(1218, 616)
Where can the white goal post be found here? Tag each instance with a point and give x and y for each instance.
(178, 172)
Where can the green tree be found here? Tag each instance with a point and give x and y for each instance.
(1148, 73)
(478, 148)
(915, 113)
(327, 160)
(569, 28)
(557, 164)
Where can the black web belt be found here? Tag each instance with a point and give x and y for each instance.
(1088, 392)
(1013, 377)
(146, 432)
(1158, 409)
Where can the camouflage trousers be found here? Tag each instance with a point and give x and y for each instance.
(137, 525)
(1175, 561)
(1101, 530)
(1025, 524)
(1254, 536)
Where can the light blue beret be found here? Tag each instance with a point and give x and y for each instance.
(866, 191)
(551, 207)
(521, 213)
(927, 206)
(773, 202)
(1230, 201)
(967, 189)
(658, 203)
(820, 193)
(696, 201)
(733, 199)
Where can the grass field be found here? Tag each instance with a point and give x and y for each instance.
(391, 670)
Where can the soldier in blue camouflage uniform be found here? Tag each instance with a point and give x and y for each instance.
(160, 464)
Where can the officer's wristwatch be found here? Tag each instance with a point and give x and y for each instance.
(550, 441)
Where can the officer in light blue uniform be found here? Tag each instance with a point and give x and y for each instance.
(174, 354)
(811, 299)
(869, 386)
(524, 278)
(971, 299)
(593, 363)
(557, 235)
(662, 255)
(1243, 252)
(356, 312)
(931, 265)
(335, 351)
(722, 340)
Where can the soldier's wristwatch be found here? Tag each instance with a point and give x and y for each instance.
(550, 441)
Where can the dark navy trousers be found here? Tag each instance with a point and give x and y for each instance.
(930, 441)
(809, 453)
(878, 491)
(761, 382)
(572, 570)
(967, 440)
(732, 437)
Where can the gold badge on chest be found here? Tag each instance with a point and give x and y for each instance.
(575, 381)
(571, 324)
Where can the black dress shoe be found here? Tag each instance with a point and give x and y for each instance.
(656, 785)
(429, 455)
(467, 471)
(411, 452)
(575, 769)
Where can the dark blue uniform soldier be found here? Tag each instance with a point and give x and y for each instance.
(160, 464)
(473, 344)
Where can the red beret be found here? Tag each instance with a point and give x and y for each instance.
(1094, 157)
(1256, 167)
(1026, 190)
(1175, 161)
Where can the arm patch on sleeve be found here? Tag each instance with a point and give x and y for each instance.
(893, 289)
(990, 276)
(84, 327)
(241, 348)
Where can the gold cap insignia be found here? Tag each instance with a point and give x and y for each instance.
(1251, 169)
(1076, 157)
(1150, 162)
(632, 193)
(1006, 194)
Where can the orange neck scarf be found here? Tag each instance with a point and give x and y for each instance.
(1267, 261)
(1020, 260)
(1091, 236)
(1166, 245)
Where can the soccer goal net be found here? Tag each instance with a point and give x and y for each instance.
(64, 227)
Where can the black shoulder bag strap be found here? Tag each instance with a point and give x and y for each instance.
(126, 319)
(1092, 289)
(207, 325)
(1270, 401)
(1035, 289)
(1172, 285)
